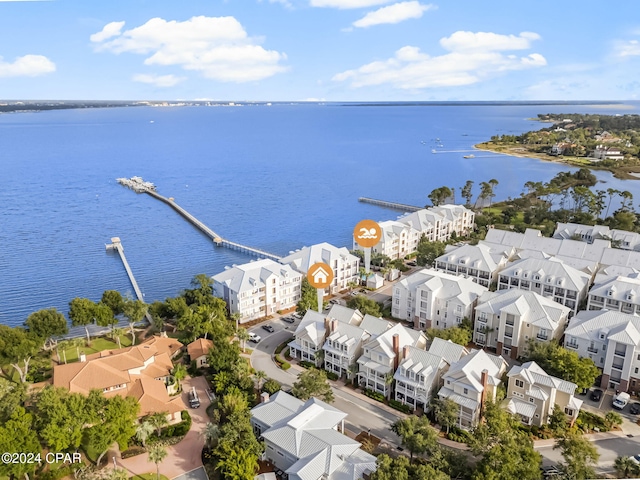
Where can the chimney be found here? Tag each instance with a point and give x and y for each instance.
(334, 325)
(327, 326)
(405, 351)
(163, 334)
(83, 357)
(396, 350)
(264, 397)
(483, 396)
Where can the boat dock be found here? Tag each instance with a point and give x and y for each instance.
(140, 186)
(395, 206)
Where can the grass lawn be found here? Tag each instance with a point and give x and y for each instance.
(97, 345)
(148, 476)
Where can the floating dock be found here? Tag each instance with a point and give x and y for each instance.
(140, 186)
(395, 206)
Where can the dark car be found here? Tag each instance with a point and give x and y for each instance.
(412, 264)
(268, 328)
(596, 395)
(635, 409)
(288, 319)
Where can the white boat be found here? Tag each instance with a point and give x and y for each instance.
(469, 156)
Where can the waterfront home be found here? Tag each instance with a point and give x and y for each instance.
(588, 233)
(548, 277)
(505, 320)
(304, 439)
(344, 342)
(612, 340)
(607, 153)
(309, 337)
(420, 371)
(258, 288)
(397, 240)
(142, 371)
(433, 299)
(345, 265)
(471, 381)
(198, 351)
(382, 355)
(437, 224)
(481, 263)
(532, 394)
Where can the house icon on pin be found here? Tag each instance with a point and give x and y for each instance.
(320, 275)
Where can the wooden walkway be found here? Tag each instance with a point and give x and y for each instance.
(217, 239)
(395, 206)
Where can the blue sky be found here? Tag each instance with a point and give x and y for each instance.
(333, 50)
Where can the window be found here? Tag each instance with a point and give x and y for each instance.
(568, 411)
(519, 383)
(636, 370)
(532, 400)
(466, 391)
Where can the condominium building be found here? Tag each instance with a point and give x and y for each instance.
(258, 289)
(344, 264)
(612, 340)
(480, 262)
(397, 241)
(588, 233)
(434, 299)
(420, 371)
(471, 381)
(548, 277)
(532, 395)
(620, 294)
(382, 355)
(505, 320)
(437, 224)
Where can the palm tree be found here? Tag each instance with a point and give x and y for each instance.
(116, 333)
(625, 467)
(388, 380)
(143, 430)
(486, 331)
(236, 318)
(158, 420)
(157, 453)
(179, 372)
(211, 433)
(319, 358)
(77, 342)
(260, 375)
(243, 336)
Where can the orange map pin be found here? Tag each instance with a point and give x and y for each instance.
(367, 233)
(320, 275)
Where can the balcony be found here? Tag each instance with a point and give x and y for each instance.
(592, 350)
(571, 294)
(509, 322)
(542, 336)
(508, 334)
(571, 345)
(620, 353)
(617, 366)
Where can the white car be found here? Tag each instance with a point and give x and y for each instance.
(254, 337)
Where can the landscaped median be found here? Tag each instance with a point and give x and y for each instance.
(281, 362)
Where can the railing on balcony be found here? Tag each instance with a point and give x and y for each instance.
(571, 345)
(592, 349)
(620, 353)
(544, 336)
(617, 366)
(508, 334)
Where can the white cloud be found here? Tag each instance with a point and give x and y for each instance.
(110, 30)
(396, 13)
(630, 48)
(487, 41)
(217, 47)
(158, 80)
(411, 69)
(344, 4)
(27, 66)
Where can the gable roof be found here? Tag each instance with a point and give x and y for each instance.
(589, 324)
(251, 275)
(535, 376)
(449, 351)
(199, 348)
(302, 259)
(469, 369)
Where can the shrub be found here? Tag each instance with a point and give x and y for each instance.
(375, 395)
(590, 421)
(307, 364)
(271, 386)
(332, 376)
(458, 435)
(399, 406)
(133, 451)
(285, 365)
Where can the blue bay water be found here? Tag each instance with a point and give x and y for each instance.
(275, 177)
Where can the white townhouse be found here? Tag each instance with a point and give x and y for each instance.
(437, 224)
(382, 355)
(612, 341)
(397, 240)
(470, 382)
(505, 320)
(480, 262)
(620, 294)
(430, 298)
(461, 219)
(588, 233)
(420, 372)
(344, 264)
(309, 337)
(344, 342)
(304, 439)
(532, 394)
(548, 277)
(258, 288)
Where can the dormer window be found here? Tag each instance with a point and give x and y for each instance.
(537, 277)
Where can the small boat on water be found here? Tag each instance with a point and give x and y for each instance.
(469, 156)
(433, 150)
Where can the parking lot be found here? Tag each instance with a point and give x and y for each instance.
(605, 404)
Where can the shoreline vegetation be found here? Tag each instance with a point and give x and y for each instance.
(578, 140)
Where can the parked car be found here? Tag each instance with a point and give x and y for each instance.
(635, 408)
(635, 459)
(254, 337)
(412, 264)
(194, 401)
(596, 395)
(268, 328)
(288, 319)
(334, 301)
(550, 471)
(620, 400)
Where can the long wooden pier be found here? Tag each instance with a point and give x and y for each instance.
(141, 187)
(395, 206)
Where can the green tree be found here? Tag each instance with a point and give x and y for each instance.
(46, 324)
(17, 347)
(461, 336)
(365, 305)
(446, 412)
(134, 310)
(243, 336)
(580, 455)
(313, 383)
(625, 467)
(60, 418)
(223, 355)
(391, 468)
(157, 453)
(179, 372)
(237, 463)
(103, 316)
(308, 298)
(113, 299)
(12, 395)
(18, 436)
(114, 421)
(81, 312)
(211, 433)
(440, 195)
(158, 420)
(558, 421)
(613, 419)
(234, 404)
(260, 376)
(428, 252)
(143, 431)
(466, 192)
(417, 435)
(513, 457)
(271, 386)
